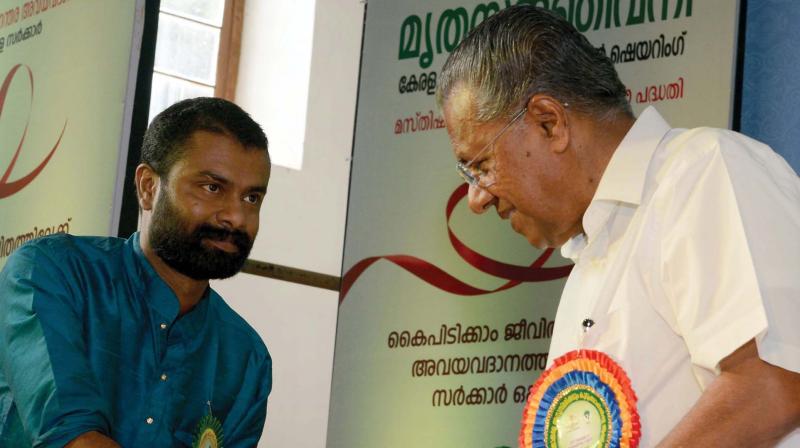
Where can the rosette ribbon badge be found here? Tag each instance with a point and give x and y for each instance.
(585, 400)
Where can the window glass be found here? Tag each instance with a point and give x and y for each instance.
(168, 90)
(208, 11)
(187, 49)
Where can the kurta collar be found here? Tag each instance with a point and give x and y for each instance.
(159, 296)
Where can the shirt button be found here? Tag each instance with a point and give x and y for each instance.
(149, 420)
(163, 377)
(163, 326)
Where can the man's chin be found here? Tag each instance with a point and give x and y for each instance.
(210, 263)
(534, 238)
(536, 241)
(218, 272)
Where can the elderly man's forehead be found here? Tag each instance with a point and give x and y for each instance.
(462, 97)
(463, 103)
(460, 110)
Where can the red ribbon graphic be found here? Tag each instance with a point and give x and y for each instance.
(8, 188)
(440, 279)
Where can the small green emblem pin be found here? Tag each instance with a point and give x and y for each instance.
(209, 432)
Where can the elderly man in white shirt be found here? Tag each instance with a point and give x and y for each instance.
(685, 242)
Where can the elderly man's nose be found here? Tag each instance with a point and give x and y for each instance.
(479, 199)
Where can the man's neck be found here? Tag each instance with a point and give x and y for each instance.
(188, 290)
(603, 138)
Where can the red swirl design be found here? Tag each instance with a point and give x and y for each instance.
(440, 279)
(9, 188)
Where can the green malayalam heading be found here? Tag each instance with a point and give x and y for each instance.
(424, 36)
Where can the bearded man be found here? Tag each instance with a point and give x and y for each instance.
(107, 342)
(684, 242)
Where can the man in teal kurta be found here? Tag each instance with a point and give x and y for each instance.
(108, 342)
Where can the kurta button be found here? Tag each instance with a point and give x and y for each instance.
(149, 420)
(163, 326)
(587, 324)
(163, 377)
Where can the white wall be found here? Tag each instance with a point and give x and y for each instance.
(303, 218)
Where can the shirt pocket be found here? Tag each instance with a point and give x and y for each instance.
(607, 334)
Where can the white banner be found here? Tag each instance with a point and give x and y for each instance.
(64, 114)
(446, 316)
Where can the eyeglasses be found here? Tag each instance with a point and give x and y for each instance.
(473, 175)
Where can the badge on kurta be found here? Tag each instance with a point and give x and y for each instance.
(209, 432)
(585, 400)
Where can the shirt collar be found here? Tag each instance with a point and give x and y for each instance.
(623, 180)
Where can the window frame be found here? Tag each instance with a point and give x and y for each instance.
(228, 51)
(230, 48)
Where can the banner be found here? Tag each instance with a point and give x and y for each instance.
(64, 114)
(445, 317)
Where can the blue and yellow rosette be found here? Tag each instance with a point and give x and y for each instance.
(584, 400)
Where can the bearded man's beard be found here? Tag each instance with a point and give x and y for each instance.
(184, 250)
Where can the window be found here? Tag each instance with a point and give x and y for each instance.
(197, 51)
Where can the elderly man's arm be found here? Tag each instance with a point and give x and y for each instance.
(751, 403)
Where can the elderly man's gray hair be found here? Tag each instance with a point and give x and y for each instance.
(522, 51)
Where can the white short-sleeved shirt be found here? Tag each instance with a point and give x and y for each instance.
(691, 249)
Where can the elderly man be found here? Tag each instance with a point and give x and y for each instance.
(107, 342)
(685, 242)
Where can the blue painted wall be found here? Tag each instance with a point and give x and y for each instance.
(771, 76)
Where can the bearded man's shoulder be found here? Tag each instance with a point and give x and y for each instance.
(235, 326)
(87, 248)
(68, 253)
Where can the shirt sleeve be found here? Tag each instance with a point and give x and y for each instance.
(43, 353)
(245, 422)
(729, 251)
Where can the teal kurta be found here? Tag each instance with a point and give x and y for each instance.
(90, 339)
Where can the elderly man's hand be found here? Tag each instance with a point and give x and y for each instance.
(92, 439)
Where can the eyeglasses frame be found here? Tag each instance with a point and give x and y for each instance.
(464, 168)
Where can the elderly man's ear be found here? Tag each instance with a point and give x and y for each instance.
(549, 117)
